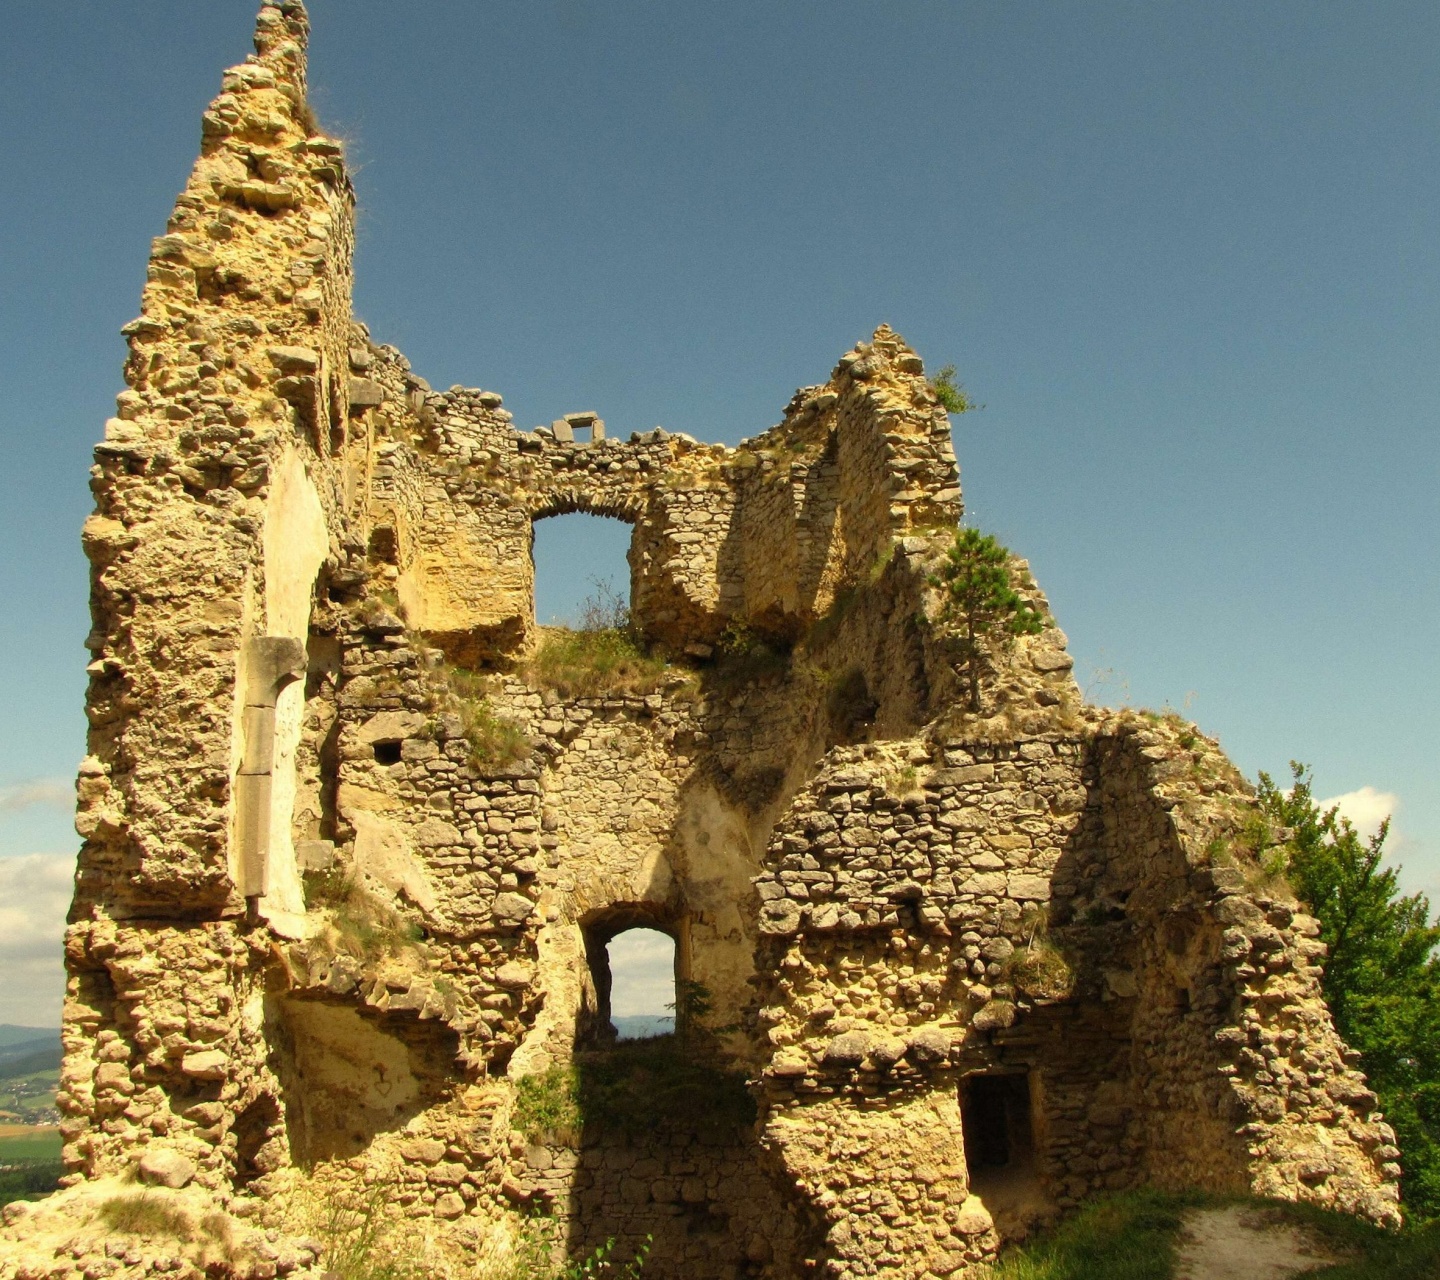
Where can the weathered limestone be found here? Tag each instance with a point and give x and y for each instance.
(349, 864)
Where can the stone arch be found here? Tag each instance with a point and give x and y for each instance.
(601, 927)
(570, 505)
(627, 505)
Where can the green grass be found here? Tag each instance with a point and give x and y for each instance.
(633, 1087)
(1135, 1236)
(29, 1165)
(547, 1106)
(1126, 1237)
(593, 663)
(29, 1098)
(36, 1146)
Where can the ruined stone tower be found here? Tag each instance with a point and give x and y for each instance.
(352, 860)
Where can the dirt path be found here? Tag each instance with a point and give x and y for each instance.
(1242, 1243)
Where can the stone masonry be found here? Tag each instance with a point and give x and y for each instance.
(972, 967)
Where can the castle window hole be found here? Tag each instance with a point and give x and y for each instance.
(642, 983)
(633, 967)
(582, 574)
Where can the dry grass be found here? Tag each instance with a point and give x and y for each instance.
(360, 924)
(593, 663)
(495, 743)
(145, 1213)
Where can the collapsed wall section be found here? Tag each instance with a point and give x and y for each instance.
(1061, 912)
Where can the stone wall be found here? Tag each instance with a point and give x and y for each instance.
(350, 856)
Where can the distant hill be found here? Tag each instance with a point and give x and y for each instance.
(43, 1059)
(10, 1034)
(639, 1026)
(25, 1050)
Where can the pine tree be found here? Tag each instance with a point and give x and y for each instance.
(981, 598)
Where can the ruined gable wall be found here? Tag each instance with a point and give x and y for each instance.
(1241, 1077)
(216, 505)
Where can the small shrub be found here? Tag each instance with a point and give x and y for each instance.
(599, 1263)
(743, 657)
(981, 603)
(951, 393)
(547, 1106)
(902, 781)
(538, 1254)
(328, 888)
(143, 1213)
(1041, 971)
(494, 742)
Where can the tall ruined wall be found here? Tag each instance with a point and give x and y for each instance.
(217, 504)
(352, 858)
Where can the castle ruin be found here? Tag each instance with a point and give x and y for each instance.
(963, 969)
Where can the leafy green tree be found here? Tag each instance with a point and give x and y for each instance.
(1382, 975)
(981, 598)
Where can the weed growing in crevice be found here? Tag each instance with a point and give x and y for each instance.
(952, 394)
(1039, 968)
(494, 742)
(743, 656)
(360, 925)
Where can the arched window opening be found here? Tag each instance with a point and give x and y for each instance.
(582, 577)
(634, 974)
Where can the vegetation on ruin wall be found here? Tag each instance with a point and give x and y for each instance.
(494, 742)
(360, 925)
(951, 394)
(633, 1088)
(1135, 1236)
(1382, 974)
(979, 598)
(600, 657)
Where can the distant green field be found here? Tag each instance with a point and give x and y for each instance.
(44, 1145)
(29, 1099)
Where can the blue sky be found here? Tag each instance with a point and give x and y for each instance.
(1185, 255)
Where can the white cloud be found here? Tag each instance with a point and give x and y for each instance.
(49, 793)
(642, 971)
(35, 891)
(1367, 808)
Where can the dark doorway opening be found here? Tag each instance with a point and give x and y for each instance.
(996, 1114)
